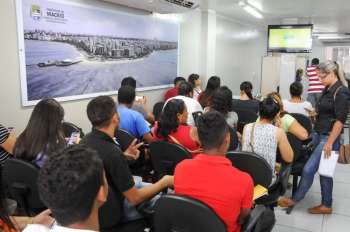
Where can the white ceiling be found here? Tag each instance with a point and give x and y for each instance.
(326, 15)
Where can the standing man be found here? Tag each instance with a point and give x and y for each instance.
(315, 86)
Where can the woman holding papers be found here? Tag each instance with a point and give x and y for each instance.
(331, 112)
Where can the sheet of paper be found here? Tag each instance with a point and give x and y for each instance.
(327, 165)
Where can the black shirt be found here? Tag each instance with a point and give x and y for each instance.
(249, 105)
(332, 106)
(117, 171)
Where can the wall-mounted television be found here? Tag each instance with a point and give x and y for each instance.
(290, 38)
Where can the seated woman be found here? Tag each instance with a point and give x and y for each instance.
(205, 97)
(288, 123)
(172, 126)
(296, 104)
(196, 83)
(263, 137)
(246, 100)
(43, 135)
(222, 102)
(7, 143)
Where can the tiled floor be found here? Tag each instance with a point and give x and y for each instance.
(339, 221)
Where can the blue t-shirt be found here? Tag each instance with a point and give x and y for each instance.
(132, 121)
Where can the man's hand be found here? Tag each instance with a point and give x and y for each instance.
(167, 181)
(132, 152)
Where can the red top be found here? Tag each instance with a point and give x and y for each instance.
(5, 228)
(182, 135)
(214, 181)
(315, 86)
(170, 93)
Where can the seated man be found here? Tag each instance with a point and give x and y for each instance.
(173, 91)
(105, 120)
(139, 104)
(131, 120)
(186, 94)
(73, 185)
(210, 176)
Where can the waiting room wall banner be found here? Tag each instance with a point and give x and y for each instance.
(74, 51)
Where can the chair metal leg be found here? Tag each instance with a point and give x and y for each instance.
(295, 184)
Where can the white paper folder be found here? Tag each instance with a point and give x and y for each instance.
(327, 165)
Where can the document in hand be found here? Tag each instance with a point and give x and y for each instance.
(327, 165)
(259, 191)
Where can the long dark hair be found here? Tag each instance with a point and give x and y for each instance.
(4, 214)
(222, 100)
(168, 122)
(247, 88)
(43, 133)
(212, 85)
(192, 79)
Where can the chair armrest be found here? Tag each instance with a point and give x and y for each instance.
(253, 218)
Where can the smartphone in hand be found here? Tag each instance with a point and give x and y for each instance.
(74, 138)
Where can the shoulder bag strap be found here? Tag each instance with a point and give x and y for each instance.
(252, 137)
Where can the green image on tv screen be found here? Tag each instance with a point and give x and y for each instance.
(290, 38)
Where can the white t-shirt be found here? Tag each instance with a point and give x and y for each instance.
(55, 228)
(293, 107)
(191, 105)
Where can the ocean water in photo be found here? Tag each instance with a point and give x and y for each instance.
(86, 77)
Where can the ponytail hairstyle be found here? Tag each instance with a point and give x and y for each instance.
(247, 88)
(277, 98)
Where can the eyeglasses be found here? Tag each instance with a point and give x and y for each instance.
(323, 75)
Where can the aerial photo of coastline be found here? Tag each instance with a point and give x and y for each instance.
(63, 61)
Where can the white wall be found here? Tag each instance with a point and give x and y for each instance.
(240, 48)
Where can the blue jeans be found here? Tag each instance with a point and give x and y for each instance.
(130, 212)
(310, 170)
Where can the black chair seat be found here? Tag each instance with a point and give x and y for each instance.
(165, 156)
(255, 165)
(184, 214)
(124, 138)
(20, 181)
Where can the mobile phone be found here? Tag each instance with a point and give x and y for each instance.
(74, 138)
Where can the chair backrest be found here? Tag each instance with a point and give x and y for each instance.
(69, 128)
(245, 117)
(157, 110)
(124, 138)
(253, 164)
(165, 156)
(20, 180)
(234, 139)
(304, 121)
(184, 214)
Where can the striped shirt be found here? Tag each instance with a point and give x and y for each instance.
(315, 86)
(4, 134)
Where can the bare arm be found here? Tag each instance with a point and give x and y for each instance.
(296, 129)
(148, 138)
(284, 146)
(9, 144)
(136, 196)
(242, 216)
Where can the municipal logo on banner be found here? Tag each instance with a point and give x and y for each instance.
(36, 12)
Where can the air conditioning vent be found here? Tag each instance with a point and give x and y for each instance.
(182, 3)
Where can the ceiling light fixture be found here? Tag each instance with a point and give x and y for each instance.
(250, 9)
